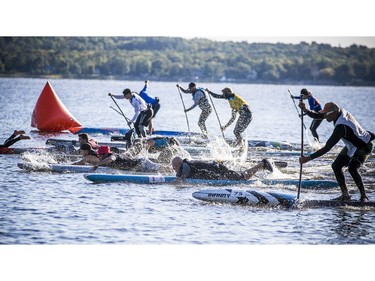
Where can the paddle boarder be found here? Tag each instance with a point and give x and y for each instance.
(213, 170)
(200, 99)
(84, 138)
(89, 155)
(124, 162)
(142, 111)
(13, 139)
(358, 146)
(315, 105)
(238, 105)
(155, 104)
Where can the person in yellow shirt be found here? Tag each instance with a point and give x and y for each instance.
(238, 105)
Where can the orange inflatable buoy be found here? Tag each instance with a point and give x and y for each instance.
(50, 114)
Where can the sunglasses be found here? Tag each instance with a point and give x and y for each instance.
(329, 113)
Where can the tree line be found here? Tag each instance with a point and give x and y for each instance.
(178, 59)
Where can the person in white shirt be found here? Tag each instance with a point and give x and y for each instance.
(142, 112)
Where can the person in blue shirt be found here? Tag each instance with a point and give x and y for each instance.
(155, 103)
(314, 106)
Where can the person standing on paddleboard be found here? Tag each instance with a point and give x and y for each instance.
(200, 99)
(314, 106)
(142, 111)
(238, 105)
(155, 103)
(358, 146)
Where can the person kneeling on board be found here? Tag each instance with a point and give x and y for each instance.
(213, 170)
(358, 146)
(89, 155)
(124, 162)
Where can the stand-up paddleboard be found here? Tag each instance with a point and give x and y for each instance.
(65, 168)
(334, 203)
(56, 142)
(245, 197)
(50, 114)
(123, 131)
(146, 179)
(16, 150)
(256, 198)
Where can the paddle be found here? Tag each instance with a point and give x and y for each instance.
(217, 116)
(120, 112)
(300, 167)
(183, 104)
(291, 96)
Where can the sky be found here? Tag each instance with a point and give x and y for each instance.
(289, 21)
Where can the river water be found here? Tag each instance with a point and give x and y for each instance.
(49, 208)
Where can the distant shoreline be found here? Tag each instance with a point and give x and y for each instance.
(238, 81)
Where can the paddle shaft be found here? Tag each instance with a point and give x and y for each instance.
(183, 104)
(296, 106)
(300, 167)
(218, 119)
(122, 113)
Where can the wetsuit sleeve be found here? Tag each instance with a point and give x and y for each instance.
(338, 133)
(314, 115)
(234, 114)
(297, 97)
(216, 96)
(185, 91)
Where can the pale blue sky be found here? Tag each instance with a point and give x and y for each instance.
(289, 21)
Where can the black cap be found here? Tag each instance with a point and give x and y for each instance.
(191, 85)
(304, 92)
(126, 91)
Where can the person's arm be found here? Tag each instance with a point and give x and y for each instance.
(106, 161)
(183, 90)
(336, 136)
(119, 97)
(80, 162)
(234, 114)
(310, 113)
(216, 96)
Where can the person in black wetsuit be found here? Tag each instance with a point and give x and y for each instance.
(358, 146)
(213, 170)
(124, 162)
(13, 138)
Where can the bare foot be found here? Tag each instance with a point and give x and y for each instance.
(22, 137)
(18, 132)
